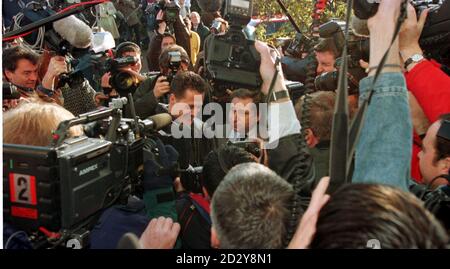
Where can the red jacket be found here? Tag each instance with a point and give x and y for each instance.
(431, 87)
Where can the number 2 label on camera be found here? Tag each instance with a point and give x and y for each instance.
(22, 188)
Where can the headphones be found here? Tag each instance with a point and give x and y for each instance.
(123, 45)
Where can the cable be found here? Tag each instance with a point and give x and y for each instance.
(39, 39)
(302, 171)
(14, 235)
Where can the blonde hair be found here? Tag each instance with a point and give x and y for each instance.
(32, 123)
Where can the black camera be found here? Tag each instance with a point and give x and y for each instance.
(251, 147)
(10, 91)
(296, 69)
(231, 59)
(123, 81)
(191, 178)
(437, 201)
(357, 46)
(329, 81)
(174, 64)
(299, 45)
(435, 38)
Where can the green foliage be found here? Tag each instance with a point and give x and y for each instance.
(300, 10)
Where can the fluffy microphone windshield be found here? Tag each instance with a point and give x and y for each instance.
(75, 31)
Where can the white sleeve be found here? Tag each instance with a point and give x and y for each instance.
(282, 121)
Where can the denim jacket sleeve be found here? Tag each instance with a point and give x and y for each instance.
(383, 152)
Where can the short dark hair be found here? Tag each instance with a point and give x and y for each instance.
(251, 208)
(213, 172)
(13, 54)
(168, 35)
(321, 109)
(327, 44)
(164, 58)
(246, 93)
(442, 145)
(357, 213)
(127, 47)
(187, 80)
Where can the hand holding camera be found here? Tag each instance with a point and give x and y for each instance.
(56, 67)
(162, 86)
(410, 33)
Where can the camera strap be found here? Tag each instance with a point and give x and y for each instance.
(274, 79)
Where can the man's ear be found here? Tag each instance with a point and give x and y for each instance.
(8, 74)
(311, 139)
(445, 166)
(172, 101)
(214, 240)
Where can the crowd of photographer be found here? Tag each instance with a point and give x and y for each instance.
(213, 147)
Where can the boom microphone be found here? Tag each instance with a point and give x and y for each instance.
(157, 122)
(75, 31)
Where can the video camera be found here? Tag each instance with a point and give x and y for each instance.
(122, 81)
(231, 59)
(171, 13)
(435, 38)
(56, 193)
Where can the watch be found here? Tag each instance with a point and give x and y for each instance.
(279, 95)
(45, 91)
(413, 59)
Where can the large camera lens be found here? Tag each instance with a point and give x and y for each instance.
(122, 82)
(327, 81)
